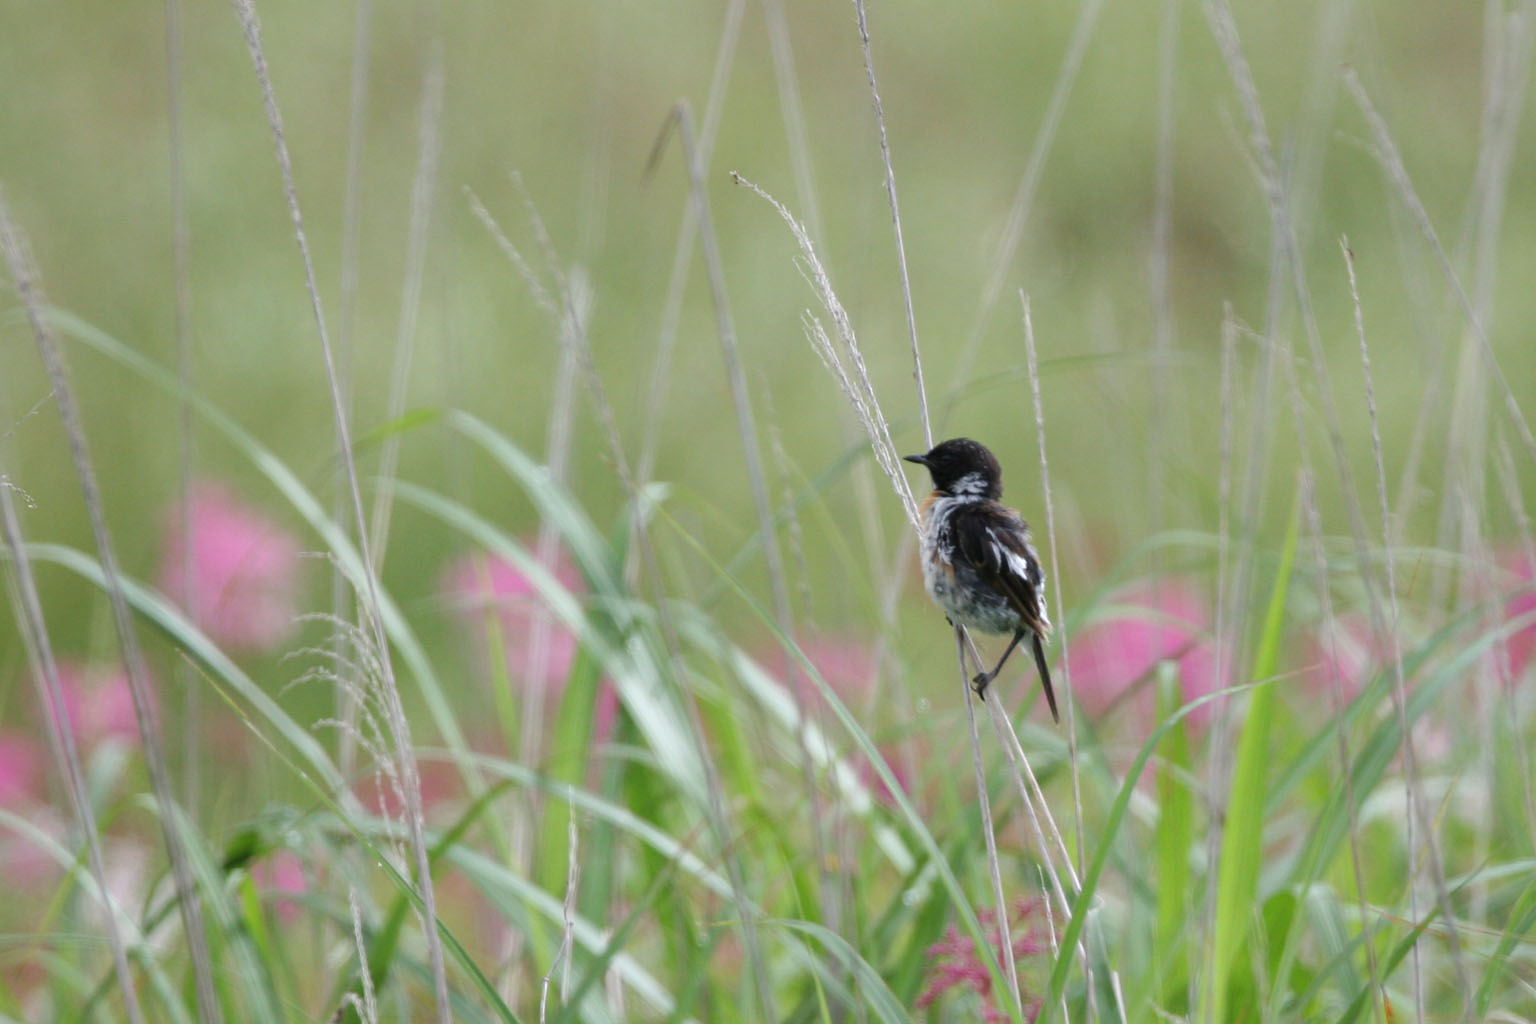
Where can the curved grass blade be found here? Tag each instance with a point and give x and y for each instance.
(167, 619)
(963, 908)
(293, 490)
(877, 994)
(625, 658)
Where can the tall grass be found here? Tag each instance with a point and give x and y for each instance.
(641, 724)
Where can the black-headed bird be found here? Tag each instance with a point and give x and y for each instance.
(978, 562)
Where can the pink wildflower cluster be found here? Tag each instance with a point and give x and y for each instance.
(99, 707)
(954, 963)
(99, 702)
(281, 878)
(479, 584)
(1348, 653)
(1348, 649)
(231, 569)
(1521, 644)
(1166, 620)
(485, 590)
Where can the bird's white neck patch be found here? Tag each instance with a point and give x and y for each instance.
(972, 485)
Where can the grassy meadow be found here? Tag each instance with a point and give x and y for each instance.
(460, 567)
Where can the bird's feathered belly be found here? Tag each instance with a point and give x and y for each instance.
(954, 585)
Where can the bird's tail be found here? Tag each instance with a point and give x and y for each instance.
(1045, 675)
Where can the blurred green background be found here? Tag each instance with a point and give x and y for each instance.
(1113, 128)
(573, 97)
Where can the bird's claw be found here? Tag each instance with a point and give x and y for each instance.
(979, 683)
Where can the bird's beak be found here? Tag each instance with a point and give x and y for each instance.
(921, 460)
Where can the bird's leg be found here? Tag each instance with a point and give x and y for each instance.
(980, 682)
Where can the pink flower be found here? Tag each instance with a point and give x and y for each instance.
(1150, 623)
(847, 664)
(281, 877)
(1522, 643)
(954, 963)
(100, 703)
(1347, 650)
(21, 770)
(242, 582)
(478, 585)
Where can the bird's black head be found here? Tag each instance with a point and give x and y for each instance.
(960, 466)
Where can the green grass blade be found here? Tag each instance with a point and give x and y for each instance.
(1114, 818)
(877, 994)
(1173, 838)
(168, 620)
(1242, 836)
(288, 484)
(625, 656)
(514, 892)
(1520, 930)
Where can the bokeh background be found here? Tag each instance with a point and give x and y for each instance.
(1112, 128)
(574, 97)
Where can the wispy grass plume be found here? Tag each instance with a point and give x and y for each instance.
(844, 359)
(399, 724)
(188, 903)
(901, 245)
(1392, 163)
(50, 694)
(746, 427)
(682, 251)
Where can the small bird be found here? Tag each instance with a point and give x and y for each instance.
(978, 562)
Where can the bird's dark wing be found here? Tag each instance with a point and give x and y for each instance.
(995, 541)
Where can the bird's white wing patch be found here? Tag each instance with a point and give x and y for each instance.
(1018, 564)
